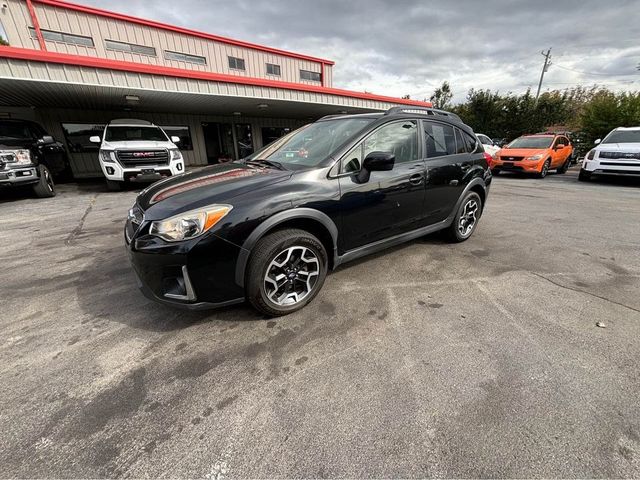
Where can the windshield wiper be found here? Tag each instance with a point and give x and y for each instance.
(262, 162)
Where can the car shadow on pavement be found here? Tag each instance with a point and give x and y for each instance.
(107, 290)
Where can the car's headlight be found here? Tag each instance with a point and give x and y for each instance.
(106, 156)
(591, 154)
(20, 157)
(535, 157)
(189, 224)
(175, 154)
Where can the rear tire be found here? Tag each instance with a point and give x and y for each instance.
(565, 166)
(114, 186)
(45, 188)
(584, 175)
(466, 219)
(286, 271)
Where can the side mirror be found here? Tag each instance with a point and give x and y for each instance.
(376, 162)
(95, 139)
(597, 142)
(175, 139)
(46, 139)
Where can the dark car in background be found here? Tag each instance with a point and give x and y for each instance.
(29, 156)
(268, 228)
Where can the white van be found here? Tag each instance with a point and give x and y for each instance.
(137, 151)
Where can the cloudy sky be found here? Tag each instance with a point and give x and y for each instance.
(399, 47)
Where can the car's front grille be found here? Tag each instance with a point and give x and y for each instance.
(137, 158)
(620, 155)
(617, 164)
(505, 158)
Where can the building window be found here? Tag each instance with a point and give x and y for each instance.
(236, 63)
(4, 38)
(271, 134)
(244, 139)
(70, 38)
(185, 57)
(78, 134)
(307, 75)
(273, 69)
(181, 131)
(130, 47)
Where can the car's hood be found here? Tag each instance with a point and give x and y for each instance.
(619, 147)
(206, 186)
(13, 143)
(135, 145)
(522, 152)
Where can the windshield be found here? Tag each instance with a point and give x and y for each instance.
(14, 130)
(531, 142)
(311, 144)
(135, 134)
(623, 136)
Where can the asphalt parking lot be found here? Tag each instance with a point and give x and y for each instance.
(481, 359)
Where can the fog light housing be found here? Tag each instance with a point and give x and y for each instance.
(179, 167)
(110, 170)
(178, 287)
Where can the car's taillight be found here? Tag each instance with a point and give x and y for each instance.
(488, 158)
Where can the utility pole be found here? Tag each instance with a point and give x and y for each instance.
(545, 67)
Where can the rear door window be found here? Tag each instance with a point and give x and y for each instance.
(440, 139)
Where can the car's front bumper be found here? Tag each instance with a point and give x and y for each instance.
(525, 166)
(152, 173)
(194, 275)
(611, 167)
(19, 176)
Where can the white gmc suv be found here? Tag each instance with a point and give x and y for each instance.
(137, 151)
(617, 154)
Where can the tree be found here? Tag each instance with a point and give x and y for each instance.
(442, 96)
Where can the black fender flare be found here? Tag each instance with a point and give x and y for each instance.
(275, 220)
(475, 181)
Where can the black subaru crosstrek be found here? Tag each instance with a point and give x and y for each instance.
(268, 228)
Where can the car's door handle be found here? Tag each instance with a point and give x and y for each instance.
(416, 179)
(464, 168)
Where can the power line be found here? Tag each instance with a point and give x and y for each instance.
(594, 73)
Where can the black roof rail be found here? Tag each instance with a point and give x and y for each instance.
(423, 111)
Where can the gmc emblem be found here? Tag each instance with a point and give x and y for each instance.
(143, 154)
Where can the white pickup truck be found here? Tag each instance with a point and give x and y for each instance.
(137, 151)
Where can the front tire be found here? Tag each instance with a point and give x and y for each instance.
(114, 186)
(545, 169)
(466, 219)
(584, 175)
(286, 271)
(45, 188)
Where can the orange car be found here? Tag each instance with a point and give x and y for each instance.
(534, 154)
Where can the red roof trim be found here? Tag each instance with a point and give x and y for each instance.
(84, 61)
(36, 25)
(185, 31)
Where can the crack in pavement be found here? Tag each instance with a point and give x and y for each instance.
(76, 231)
(586, 293)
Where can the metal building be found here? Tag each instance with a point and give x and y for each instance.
(72, 68)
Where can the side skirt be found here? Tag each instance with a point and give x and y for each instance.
(390, 242)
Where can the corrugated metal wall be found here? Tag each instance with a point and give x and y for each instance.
(86, 164)
(16, 21)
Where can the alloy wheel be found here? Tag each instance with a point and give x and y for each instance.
(48, 179)
(468, 218)
(545, 169)
(291, 275)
